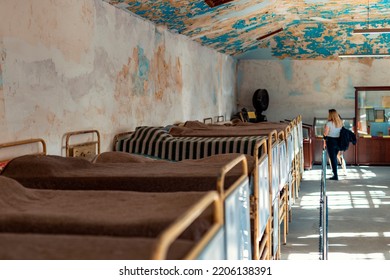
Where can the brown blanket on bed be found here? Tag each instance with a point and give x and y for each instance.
(263, 125)
(120, 157)
(178, 131)
(112, 213)
(198, 129)
(31, 246)
(55, 172)
(241, 125)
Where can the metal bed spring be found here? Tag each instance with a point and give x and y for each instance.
(323, 219)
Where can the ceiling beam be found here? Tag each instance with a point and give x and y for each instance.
(270, 34)
(364, 55)
(215, 3)
(371, 31)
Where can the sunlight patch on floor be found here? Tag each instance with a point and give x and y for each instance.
(357, 199)
(310, 201)
(351, 174)
(353, 234)
(304, 256)
(356, 190)
(355, 256)
(336, 256)
(299, 245)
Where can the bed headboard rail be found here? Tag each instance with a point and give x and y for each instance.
(87, 149)
(167, 237)
(208, 120)
(220, 118)
(119, 136)
(23, 144)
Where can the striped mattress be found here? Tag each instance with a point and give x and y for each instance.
(157, 142)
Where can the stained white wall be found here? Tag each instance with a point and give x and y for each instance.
(308, 87)
(83, 64)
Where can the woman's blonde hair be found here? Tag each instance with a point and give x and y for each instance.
(335, 118)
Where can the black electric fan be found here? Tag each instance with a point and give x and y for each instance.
(260, 102)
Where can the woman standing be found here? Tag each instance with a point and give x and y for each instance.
(331, 136)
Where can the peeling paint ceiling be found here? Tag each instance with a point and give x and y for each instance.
(312, 29)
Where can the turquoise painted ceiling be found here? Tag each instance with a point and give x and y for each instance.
(312, 29)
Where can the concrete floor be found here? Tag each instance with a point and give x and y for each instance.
(359, 216)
